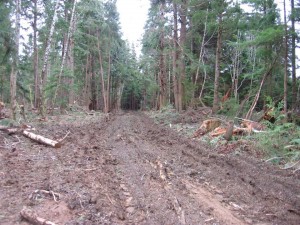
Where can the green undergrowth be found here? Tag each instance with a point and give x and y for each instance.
(167, 115)
(280, 144)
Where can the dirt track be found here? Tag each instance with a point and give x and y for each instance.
(129, 170)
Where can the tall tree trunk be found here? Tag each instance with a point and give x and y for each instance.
(87, 82)
(183, 21)
(217, 66)
(36, 57)
(175, 57)
(162, 66)
(93, 104)
(293, 59)
(104, 91)
(14, 71)
(108, 81)
(201, 48)
(71, 68)
(285, 60)
(41, 99)
(65, 52)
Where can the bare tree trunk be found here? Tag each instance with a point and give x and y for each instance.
(104, 92)
(87, 82)
(65, 53)
(107, 93)
(36, 57)
(71, 68)
(293, 59)
(162, 66)
(285, 60)
(45, 62)
(175, 57)
(14, 71)
(119, 96)
(217, 66)
(183, 20)
(201, 48)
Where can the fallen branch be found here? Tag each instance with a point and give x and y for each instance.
(41, 139)
(61, 140)
(34, 194)
(33, 218)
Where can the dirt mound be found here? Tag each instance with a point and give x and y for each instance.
(128, 170)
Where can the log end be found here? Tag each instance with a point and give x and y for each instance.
(57, 145)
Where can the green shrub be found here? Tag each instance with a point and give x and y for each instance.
(281, 143)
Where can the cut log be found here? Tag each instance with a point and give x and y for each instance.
(218, 131)
(41, 139)
(33, 218)
(207, 126)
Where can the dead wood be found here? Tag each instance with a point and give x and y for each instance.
(207, 126)
(3, 127)
(252, 126)
(33, 218)
(34, 195)
(41, 139)
(222, 131)
(218, 131)
(229, 131)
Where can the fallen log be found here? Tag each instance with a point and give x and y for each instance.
(207, 126)
(41, 139)
(33, 218)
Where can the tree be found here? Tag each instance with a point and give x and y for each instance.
(43, 77)
(14, 69)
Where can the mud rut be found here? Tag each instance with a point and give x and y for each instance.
(128, 170)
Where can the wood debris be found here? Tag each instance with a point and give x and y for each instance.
(25, 130)
(215, 129)
(33, 218)
(207, 126)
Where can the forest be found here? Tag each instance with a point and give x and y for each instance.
(194, 53)
(199, 126)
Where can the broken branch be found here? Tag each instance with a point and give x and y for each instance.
(33, 218)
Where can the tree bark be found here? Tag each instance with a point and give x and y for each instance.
(45, 62)
(104, 91)
(293, 59)
(217, 66)
(175, 56)
(36, 56)
(65, 52)
(41, 139)
(183, 21)
(14, 71)
(33, 218)
(285, 60)
(162, 66)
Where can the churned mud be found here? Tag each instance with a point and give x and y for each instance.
(129, 170)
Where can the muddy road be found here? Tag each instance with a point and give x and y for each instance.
(129, 170)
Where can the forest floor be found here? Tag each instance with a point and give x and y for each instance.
(130, 170)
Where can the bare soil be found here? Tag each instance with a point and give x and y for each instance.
(129, 170)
